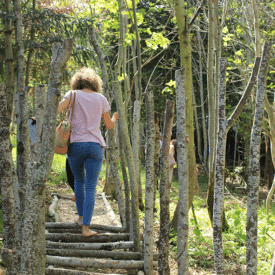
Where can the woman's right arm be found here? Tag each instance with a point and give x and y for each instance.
(108, 121)
(63, 105)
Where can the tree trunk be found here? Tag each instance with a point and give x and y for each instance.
(33, 233)
(182, 160)
(165, 192)
(125, 180)
(204, 130)
(10, 250)
(23, 144)
(136, 118)
(40, 115)
(127, 146)
(186, 62)
(219, 173)
(28, 64)
(135, 146)
(214, 54)
(254, 166)
(9, 59)
(149, 189)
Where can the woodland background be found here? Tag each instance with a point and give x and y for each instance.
(227, 51)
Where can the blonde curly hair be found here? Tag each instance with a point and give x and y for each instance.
(86, 78)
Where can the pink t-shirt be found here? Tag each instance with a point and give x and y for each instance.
(88, 111)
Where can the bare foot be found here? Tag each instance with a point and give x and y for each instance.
(86, 232)
(78, 221)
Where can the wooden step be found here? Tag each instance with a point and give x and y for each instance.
(88, 246)
(107, 228)
(115, 255)
(59, 271)
(67, 237)
(95, 263)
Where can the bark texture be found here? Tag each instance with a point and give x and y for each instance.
(10, 252)
(33, 233)
(254, 166)
(79, 238)
(59, 271)
(9, 59)
(186, 62)
(182, 237)
(99, 263)
(219, 172)
(91, 246)
(52, 225)
(165, 191)
(149, 188)
(115, 255)
(40, 115)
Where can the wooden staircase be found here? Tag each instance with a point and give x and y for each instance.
(68, 252)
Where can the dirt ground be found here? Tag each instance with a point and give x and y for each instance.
(66, 211)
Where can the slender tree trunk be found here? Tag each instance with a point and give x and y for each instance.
(198, 130)
(254, 166)
(137, 109)
(128, 148)
(9, 59)
(10, 250)
(33, 257)
(23, 145)
(135, 146)
(40, 115)
(214, 54)
(28, 63)
(118, 184)
(257, 28)
(165, 192)
(204, 130)
(219, 173)
(186, 62)
(149, 193)
(125, 180)
(182, 239)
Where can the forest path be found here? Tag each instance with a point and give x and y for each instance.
(68, 252)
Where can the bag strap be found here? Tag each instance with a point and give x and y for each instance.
(67, 108)
(73, 106)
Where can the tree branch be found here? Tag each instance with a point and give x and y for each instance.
(246, 94)
(203, 2)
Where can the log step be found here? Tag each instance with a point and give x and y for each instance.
(115, 255)
(59, 271)
(96, 263)
(88, 246)
(60, 225)
(67, 237)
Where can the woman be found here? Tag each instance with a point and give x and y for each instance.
(86, 141)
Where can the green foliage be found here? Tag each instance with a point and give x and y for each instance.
(58, 171)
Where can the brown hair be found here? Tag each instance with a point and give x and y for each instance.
(86, 78)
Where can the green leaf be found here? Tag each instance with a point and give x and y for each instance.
(197, 232)
(225, 30)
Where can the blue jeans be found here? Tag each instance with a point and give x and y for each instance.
(88, 156)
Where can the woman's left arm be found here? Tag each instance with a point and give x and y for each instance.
(63, 105)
